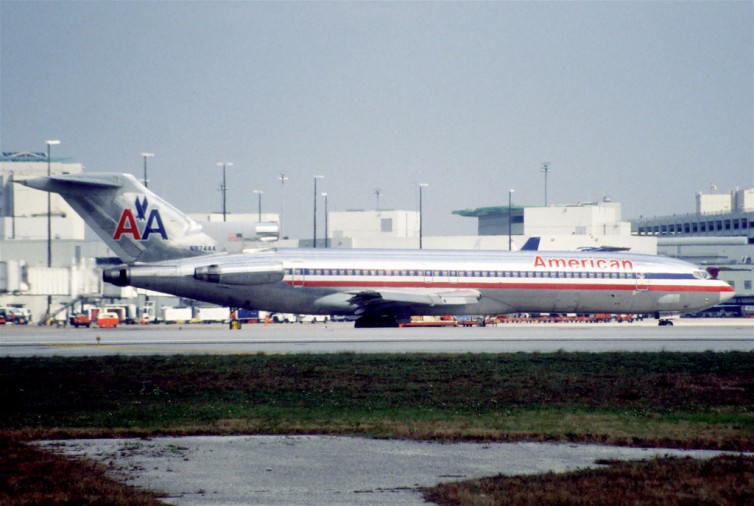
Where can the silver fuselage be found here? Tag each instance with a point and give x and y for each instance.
(165, 250)
(318, 281)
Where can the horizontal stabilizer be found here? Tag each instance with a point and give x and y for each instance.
(70, 182)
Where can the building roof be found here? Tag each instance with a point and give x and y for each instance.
(488, 211)
(28, 156)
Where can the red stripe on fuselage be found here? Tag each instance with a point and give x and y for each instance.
(511, 286)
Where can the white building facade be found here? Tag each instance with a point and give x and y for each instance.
(25, 277)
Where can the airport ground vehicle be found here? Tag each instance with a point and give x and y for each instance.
(80, 320)
(176, 315)
(251, 315)
(15, 315)
(283, 318)
(107, 320)
(213, 314)
(312, 318)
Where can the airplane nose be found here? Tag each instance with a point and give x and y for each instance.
(726, 292)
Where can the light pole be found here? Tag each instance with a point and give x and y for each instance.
(224, 187)
(146, 155)
(49, 143)
(546, 170)
(510, 219)
(314, 233)
(327, 219)
(49, 205)
(421, 214)
(283, 178)
(378, 193)
(259, 204)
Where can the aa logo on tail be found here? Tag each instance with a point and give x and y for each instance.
(129, 224)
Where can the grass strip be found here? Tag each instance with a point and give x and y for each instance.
(702, 400)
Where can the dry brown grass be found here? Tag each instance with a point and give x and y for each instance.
(722, 481)
(32, 476)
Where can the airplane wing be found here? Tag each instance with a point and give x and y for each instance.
(376, 300)
(410, 301)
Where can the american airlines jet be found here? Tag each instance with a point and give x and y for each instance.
(164, 250)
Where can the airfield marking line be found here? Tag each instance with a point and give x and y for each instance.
(137, 347)
(158, 344)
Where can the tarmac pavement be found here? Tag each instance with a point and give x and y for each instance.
(692, 335)
(316, 470)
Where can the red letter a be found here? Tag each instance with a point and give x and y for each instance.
(127, 225)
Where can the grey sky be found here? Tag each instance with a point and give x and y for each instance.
(647, 102)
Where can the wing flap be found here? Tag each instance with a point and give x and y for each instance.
(431, 298)
(414, 297)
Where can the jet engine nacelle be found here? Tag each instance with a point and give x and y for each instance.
(118, 276)
(126, 275)
(258, 274)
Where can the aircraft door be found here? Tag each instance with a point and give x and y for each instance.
(428, 278)
(641, 282)
(298, 274)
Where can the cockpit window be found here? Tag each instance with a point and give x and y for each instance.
(702, 275)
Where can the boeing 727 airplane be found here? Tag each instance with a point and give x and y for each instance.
(165, 250)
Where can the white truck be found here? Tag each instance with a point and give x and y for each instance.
(312, 318)
(126, 312)
(283, 318)
(298, 318)
(213, 314)
(176, 315)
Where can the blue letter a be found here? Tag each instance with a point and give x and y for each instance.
(154, 224)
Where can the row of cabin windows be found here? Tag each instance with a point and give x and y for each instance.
(466, 274)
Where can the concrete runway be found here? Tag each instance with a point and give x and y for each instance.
(692, 335)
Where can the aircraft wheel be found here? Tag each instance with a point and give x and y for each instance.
(376, 321)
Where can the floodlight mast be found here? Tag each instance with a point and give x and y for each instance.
(546, 170)
(146, 179)
(49, 219)
(224, 187)
(327, 219)
(314, 231)
(259, 204)
(510, 219)
(283, 178)
(421, 214)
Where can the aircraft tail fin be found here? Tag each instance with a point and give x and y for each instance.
(134, 222)
(532, 244)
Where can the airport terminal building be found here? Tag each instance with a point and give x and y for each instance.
(717, 215)
(719, 234)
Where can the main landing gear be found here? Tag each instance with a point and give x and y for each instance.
(375, 321)
(663, 322)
